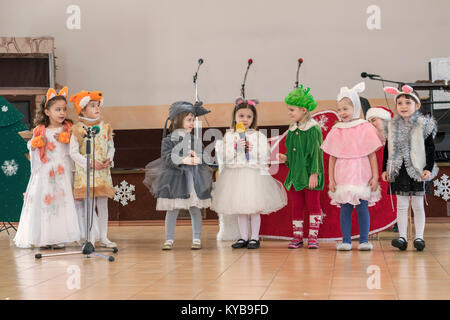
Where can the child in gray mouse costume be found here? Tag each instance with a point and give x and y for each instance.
(181, 179)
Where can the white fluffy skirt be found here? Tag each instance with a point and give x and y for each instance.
(247, 191)
(352, 194)
(164, 204)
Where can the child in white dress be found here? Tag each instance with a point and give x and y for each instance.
(48, 215)
(245, 187)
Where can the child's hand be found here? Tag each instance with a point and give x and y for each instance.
(373, 183)
(192, 153)
(313, 181)
(106, 163)
(332, 186)
(426, 175)
(191, 161)
(242, 143)
(249, 146)
(98, 165)
(384, 176)
(281, 157)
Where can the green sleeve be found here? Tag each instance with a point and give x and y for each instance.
(315, 151)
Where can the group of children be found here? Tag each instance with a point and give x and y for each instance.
(54, 212)
(245, 189)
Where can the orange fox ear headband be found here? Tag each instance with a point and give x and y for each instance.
(81, 99)
(51, 93)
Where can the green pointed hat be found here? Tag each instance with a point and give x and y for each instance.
(301, 98)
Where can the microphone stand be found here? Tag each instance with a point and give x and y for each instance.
(87, 248)
(196, 129)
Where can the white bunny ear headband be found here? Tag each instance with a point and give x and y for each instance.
(407, 90)
(353, 95)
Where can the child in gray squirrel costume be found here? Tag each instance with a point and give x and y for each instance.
(181, 179)
(408, 162)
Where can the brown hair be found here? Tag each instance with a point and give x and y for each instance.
(177, 123)
(40, 116)
(407, 96)
(240, 106)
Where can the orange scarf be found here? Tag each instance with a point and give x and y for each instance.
(42, 144)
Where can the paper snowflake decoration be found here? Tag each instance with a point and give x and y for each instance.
(124, 193)
(322, 121)
(442, 187)
(10, 168)
(4, 108)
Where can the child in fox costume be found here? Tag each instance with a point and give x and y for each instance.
(88, 105)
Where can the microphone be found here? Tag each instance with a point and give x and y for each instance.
(200, 61)
(250, 61)
(370, 75)
(300, 61)
(240, 128)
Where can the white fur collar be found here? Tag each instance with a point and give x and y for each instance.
(350, 124)
(304, 127)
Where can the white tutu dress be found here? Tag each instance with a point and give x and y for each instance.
(246, 186)
(48, 214)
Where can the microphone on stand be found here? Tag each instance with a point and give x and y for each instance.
(250, 61)
(240, 128)
(370, 75)
(300, 61)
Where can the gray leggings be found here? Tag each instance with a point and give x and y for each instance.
(171, 221)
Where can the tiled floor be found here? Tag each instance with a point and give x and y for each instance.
(142, 271)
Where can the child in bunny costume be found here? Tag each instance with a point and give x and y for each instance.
(408, 162)
(353, 171)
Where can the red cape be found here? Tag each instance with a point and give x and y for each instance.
(279, 224)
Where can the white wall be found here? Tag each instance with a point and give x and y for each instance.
(145, 52)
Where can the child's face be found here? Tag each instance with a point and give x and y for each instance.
(406, 107)
(57, 112)
(296, 113)
(345, 110)
(245, 116)
(188, 122)
(92, 110)
(377, 123)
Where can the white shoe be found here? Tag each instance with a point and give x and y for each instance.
(58, 246)
(343, 246)
(107, 243)
(366, 246)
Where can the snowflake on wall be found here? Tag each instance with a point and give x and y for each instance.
(10, 167)
(124, 193)
(4, 108)
(442, 187)
(322, 121)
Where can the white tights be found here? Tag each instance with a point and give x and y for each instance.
(243, 225)
(402, 215)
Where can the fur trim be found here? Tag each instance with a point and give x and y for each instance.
(350, 124)
(305, 127)
(352, 194)
(406, 144)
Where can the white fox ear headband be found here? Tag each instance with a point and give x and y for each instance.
(353, 95)
(406, 90)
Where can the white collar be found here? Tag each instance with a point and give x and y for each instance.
(304, 127)
(350, 124)
(90, 119)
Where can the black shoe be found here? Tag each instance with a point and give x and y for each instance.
(241, 243)
(253, 244)
(400, 243)
(419, 244)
